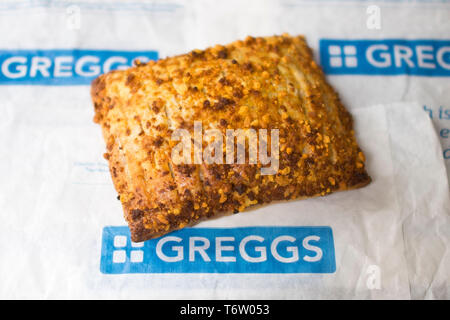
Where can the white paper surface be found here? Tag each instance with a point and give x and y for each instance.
(398, 223)
(56, 194)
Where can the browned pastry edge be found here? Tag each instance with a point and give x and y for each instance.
(139, 233)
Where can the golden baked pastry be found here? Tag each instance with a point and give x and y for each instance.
(269, 83)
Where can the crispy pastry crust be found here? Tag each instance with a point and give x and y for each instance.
(260, 83)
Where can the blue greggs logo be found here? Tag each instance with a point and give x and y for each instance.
(221, 250)
(386, 57)
(64, 66)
